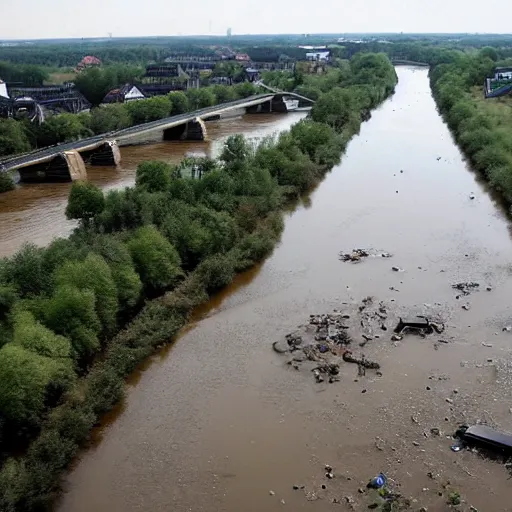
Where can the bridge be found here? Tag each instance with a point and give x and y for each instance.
(405, 62)
(65, 162)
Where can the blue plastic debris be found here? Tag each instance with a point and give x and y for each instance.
(379, 481)
(456, 447)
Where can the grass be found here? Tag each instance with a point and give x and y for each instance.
(59, 77)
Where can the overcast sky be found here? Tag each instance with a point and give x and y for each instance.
(20, 19)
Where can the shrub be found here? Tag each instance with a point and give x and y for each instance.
(85, 201)
(156, 260)
(153, 176)
(72, 313)
(6, 182)
(216, 272)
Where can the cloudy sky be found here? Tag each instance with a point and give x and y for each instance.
(22, 19)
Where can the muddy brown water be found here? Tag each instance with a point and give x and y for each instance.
(35, 212)
(218, 420)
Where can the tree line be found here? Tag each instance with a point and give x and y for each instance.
(482, 127)
(126, 280)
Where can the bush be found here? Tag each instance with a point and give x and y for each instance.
(156, 260)
(72, 313)
(153, 176)
(25, 379)
(95, 275)
(85, 201)
(216, 272)
(6, 182)
(179, 102)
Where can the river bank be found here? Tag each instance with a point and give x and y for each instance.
(35, 212)
(218, 420)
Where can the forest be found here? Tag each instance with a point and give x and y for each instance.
(77, 317)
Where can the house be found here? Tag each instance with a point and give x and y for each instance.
(3, 89)
(503, 73)
(252, 74)
(320, 56)
(87, 62)
(242, 57)
(125, 94)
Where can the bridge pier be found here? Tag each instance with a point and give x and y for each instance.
(262, 108)
(192, 130)
(107, 154)
(66, 166)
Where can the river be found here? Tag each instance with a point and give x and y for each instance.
(35, 212)
(219, 422)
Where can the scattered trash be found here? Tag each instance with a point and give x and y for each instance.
(466, 306)
(471, 196)
(487, 345)
(357, 255)
(438, 158)
(329, 475)
(508, 328)
(378, 482)
(466, 288)
(455, 448)
(397, 269)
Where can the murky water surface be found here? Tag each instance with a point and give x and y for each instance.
(219, 420)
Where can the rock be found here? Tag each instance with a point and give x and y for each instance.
(455, 391)
(328, 468)
(329, 475)
(396, 269)
(423, 509)
(272, 493)
(349, 500)
(373, 506)
(360, 490)
(396, 337)
(471, 196)
(489, 288)
(466, 307)
(283, 502)
(449, 400)
(435, 431)
(363, 391)
(428, 388)
(296, 487)
(508, 328)
(415, 443)
(324, 486)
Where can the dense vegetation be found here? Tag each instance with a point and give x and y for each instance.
(21, 136)
(140, 260)
(482, 127)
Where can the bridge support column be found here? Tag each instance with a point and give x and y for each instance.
(192, 130)
(262, 108)
(66, 166)
(106, 154)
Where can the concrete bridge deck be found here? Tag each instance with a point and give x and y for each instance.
(102, 149)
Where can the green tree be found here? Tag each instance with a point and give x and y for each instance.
(85, 201)
(152, 109)
(153, 176)
(489, 52)
(25, 380)
(200, 98)
(336, 108)
(109, 118)
(6, 182)
(235, 152)
(156, 260)
(62, 128)
(93, 274)
(72, 313)
(179, 102)
(13, 138)
(34, 336)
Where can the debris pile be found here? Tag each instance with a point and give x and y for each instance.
(357, 255)
(465, 288)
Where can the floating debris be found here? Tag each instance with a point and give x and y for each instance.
(466, 288)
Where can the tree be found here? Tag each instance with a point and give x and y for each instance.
(25, 380)
(62, 128)
(71, 312)
(489, 52)
(117, 256)
(156, 260)
(25, 270)
(153, 176)
(93, 274)
(152, 109)
(34, 336)
(109, 118)
(235, 152)
(13, 138)
(6, 182)
(85, 201)
(336, 108)
(200, 98)
(179, 102)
